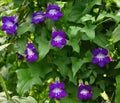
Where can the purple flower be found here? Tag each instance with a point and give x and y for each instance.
(30, 53)
(58, 38)
(84, 92)
(38, 17)
(20, 57)
(9, 24)
(100, 57)
(57, 90)
(53, 12)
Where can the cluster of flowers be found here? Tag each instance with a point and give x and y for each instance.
(53, 12)
(100, 55)
(58, 39)
(57, 91)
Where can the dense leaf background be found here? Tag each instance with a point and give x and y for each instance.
(88, 24)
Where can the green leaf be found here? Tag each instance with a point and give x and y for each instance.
(101, 84)
(101, 40)
(75, 44)
(73, 31)
(86, 74)
(85, 18)
(26, 79)
(77, 63)
(116, 34)
(43, 47)
(81, 8)
(74, 38)
(40, 69)
(70, 99)
(62, 66)
(89, 30)
(117, 2)
(28, 99)
(117, 66)
(117, 97)
(20, 45)
(96, 92)
(2, 39)
(88, 56)
(71, 78)
(3, 98)
(72, 91)
(17, 3)
(92, 79)
(109, 16)
(4, 46)
(25, 27)
(61, 3)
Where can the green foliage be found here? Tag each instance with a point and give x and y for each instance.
(71, 97)
(25, 27)
(88, 24)
(89, 30)
(26, 79)
(117, 99)
(4, 46)
(16, 99)
(81, 8)
(43, 47)
(77, 63)
(115, 34)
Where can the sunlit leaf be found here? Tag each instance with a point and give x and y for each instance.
(4, 46)
(89, 30)
(28, 99)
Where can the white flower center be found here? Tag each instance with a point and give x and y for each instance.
(53, 12)
(58, 38)
(84, 92)
(56, 90)
(9, 24)
(38, 17)
(30, 52)
(100, 56)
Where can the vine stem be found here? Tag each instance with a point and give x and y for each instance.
(104, 21)
(4, 86)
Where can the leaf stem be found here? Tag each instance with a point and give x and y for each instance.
(4, 86)
(104, 21)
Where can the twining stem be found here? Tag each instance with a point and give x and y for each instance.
(104, 21)
(4, 86)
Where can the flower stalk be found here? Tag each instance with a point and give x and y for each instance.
(4, 86)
